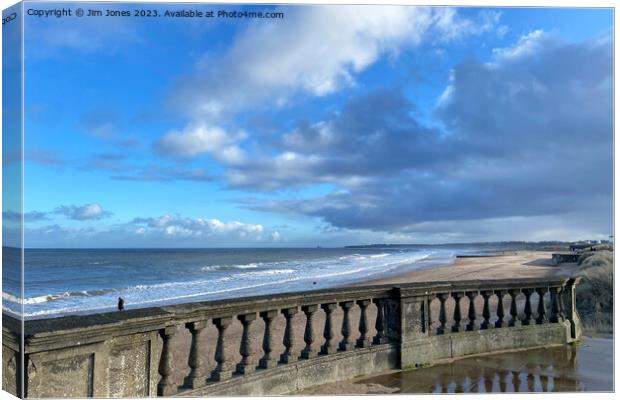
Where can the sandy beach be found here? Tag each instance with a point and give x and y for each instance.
(528, 264)
(516, 264)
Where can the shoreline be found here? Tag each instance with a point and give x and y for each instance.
(505, 264)
(515, 264)
(499, 265)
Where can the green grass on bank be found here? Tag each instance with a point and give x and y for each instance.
(595, 292)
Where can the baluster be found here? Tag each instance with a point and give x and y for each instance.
(289, 336)
(519, 382)
(514, 315)
(268, 360)
(223, 370)
(459, 385)
(363, 340)
(527, 320)
(308, 352)
(486, 314)
(544, 380)
(429, 317)
(551, 383)
(380, 337)
(503, 376)
(487, 378)
(568, 306)
(513, 376)
(166, 386)
(457, 296)
(441, 329)
(561, 308)
(246, 365)
(471, 312)
(500, 323)
(530, 382)
(541, 317)
(329, 347)
(555, 305)
(346, 343)
(197, 376)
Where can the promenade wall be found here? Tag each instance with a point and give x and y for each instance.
(129, 353)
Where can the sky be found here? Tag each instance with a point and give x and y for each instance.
(333, 125)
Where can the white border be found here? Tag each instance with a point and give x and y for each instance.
(479, 3)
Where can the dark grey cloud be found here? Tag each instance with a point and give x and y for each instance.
(540, 92)
(375, 135)
(527, 135)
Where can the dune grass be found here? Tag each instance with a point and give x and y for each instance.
(595, 292)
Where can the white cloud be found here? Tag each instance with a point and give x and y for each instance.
(451, 26)
(85, 212)
(199, 138)
(314, 51)
(448, 92)
(527, 45)
(162, 231)
(188, 227)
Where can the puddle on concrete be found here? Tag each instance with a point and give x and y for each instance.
(588, 367)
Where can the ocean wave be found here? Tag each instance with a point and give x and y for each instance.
(11, 298)
(56, 296)
(247, 266)
(267, 272)
(360, 257)
(229, 267)
(211, 268)
(232, 280)
(380, 255)
(137, 303)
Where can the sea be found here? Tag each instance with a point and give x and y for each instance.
(86, 281)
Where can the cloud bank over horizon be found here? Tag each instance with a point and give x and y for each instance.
(162, 231)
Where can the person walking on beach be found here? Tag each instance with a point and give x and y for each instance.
(121, 304)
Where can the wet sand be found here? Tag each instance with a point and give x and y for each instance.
(509, 265)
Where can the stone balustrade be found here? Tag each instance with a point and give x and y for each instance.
(132, 353)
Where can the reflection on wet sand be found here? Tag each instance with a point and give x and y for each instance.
(556, 369)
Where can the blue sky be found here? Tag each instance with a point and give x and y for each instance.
(331, 126)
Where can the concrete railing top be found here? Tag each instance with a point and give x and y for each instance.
(134, 320)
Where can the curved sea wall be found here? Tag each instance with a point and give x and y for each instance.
(385, 327)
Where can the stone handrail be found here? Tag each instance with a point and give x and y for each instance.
(131, 353)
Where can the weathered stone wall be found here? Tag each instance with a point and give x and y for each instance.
(291, 378)
(362, 331)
